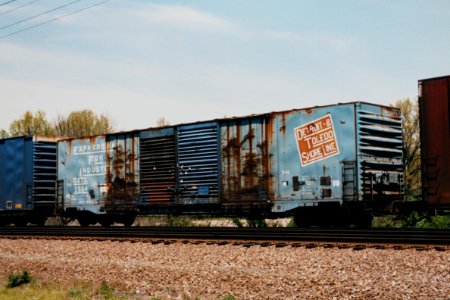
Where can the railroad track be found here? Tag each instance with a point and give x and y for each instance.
(356, 238)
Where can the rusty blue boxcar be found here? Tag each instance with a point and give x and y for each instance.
(27, 179)
(314, 163)
(98, 178)
(321, 164)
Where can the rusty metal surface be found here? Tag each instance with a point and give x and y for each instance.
(279, 160)
(310, 156)
(245, 158)
(122, 171)
(434, 105)
(100, 173)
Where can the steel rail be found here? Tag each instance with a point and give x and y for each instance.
(361, 236)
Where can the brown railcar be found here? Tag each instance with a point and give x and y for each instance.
(434, 110)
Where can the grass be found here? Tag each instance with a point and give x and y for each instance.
(36, 290)
(53, 291)
(413, 220)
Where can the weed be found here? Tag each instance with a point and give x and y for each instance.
(181, 221)
(413, 220)
(74, 293)
(291, 223)
(256, 223)
(106, 291)
(15, 280)
(237, 222)
(228, 297)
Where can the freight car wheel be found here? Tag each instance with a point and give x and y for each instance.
(106, 221)
(84, 222)
(21, 223)
(40, 221)
(302, 217)
(363, 220)
(128, 221)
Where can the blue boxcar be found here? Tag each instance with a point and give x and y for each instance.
(315, 163)
(27, 179)
(339, 156)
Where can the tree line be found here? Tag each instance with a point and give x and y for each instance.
(75, 124)
(411, 147)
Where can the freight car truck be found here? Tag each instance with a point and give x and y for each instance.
(27, 179)
(333, 164)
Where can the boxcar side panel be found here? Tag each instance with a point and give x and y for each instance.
(122, 171)
(198, 163)
(82, 167)
(245, 159)
(14, 174)
(158, 166)
(100, 173)
(380, 154)
(44, 171)
(311, 147)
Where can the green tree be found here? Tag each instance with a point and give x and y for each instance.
(82, 123)
(411, 146)
(31, 124)
(3, 134)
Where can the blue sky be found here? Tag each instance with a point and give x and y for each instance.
(137, 61)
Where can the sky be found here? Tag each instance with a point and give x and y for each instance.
(136, 60)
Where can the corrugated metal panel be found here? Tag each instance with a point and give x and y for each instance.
(434, 104)
(198, 163)
(245, 160)
(158, 166)
(380, 152)
(44, 172)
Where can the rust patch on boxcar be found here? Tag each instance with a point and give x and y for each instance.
(283, 124)
(247, 164)
(69, 147)
(390, 111)
(308, 111)
(267, 156)
(121, 173)
(249, 170)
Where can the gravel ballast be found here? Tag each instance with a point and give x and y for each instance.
(178, 271)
